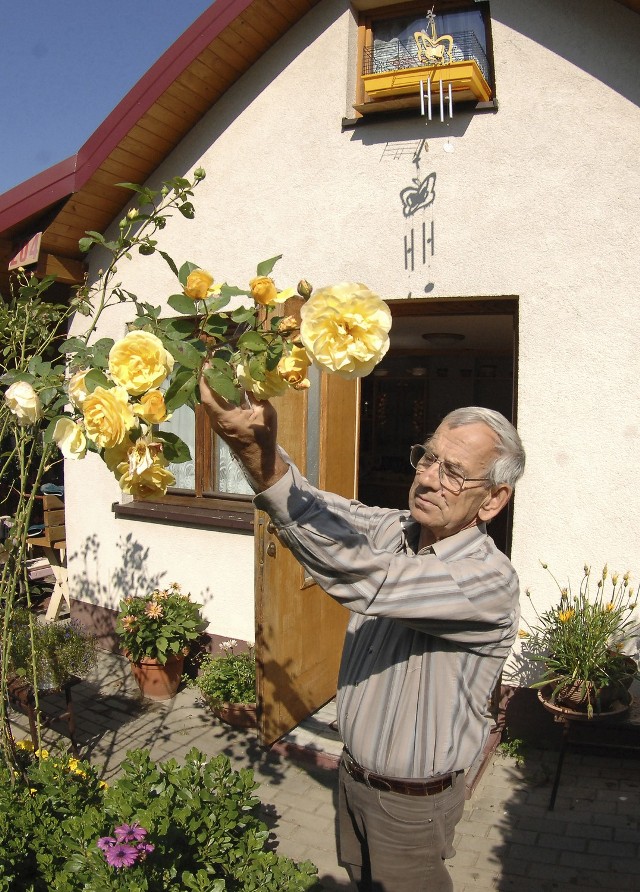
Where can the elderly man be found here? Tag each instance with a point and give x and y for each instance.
(434, 614)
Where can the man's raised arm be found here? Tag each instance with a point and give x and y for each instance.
(251, 433)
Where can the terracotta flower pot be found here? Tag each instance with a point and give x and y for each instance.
(158, 682)
(238, 715)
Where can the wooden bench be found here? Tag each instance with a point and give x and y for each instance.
(52, 540)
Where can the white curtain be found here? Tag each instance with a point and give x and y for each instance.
(183, 424)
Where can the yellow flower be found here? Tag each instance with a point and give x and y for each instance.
(116, 455)
(345, 329)
(153, 610)
(107, 416)
(287, 325)
(608, 607)
(103, 785)
(294, 368)
(42, 754)
(151, 407)
(23, 402)
(73, 764)
(264, 291)
(26, 745)
(565, 615)
(76, 388)
(129, 622)
(70, 438)
(150, 482)
(273, 384)
(199, 284)
(522, 633)
(139, 362)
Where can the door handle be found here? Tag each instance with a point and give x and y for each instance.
(271, 549)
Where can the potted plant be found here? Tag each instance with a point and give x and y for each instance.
(582, 640)
(227, 683)
(57, 651)
(157, 631)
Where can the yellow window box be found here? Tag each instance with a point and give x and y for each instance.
(467, 83)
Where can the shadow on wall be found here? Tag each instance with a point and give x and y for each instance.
(130, 576)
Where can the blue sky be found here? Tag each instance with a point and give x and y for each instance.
(65, 65)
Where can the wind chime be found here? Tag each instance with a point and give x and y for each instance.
(434, 50)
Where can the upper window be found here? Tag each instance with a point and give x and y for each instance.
(404, 49)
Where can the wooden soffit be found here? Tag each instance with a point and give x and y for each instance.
(169, 100)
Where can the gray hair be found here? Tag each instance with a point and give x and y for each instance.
(508, 466)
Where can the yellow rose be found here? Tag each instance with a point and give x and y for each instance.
(77, 389)
(139, 362)
(294, 368)
(107, 416)
(263, 290)
(148, 482)
(69, 438)
(115, 455)
(345, 329)
(199, 283)
(151, 407)
(24, 402)
(273, 384)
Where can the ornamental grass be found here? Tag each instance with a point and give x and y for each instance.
(584, 638)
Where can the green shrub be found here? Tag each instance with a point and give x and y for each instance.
(229, 677)
(180, 828)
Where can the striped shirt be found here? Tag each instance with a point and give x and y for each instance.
(429, 630)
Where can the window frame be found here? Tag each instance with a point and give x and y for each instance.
(368, 18)
(204, 505)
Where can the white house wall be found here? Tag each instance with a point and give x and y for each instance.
(537, 200)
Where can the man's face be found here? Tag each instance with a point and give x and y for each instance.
(471, 450)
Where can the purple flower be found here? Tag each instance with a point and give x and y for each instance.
(106, 842)
(144, 849)
(121, 855)
(130, 832)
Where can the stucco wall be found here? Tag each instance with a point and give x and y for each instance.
(537, 200)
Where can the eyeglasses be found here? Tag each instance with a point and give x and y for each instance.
(451, 479)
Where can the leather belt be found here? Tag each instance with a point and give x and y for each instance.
(393, 784)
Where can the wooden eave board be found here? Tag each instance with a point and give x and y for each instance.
(164, 124)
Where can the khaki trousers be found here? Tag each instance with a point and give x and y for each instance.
(391, 842)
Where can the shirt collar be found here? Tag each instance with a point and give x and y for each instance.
(451, 548)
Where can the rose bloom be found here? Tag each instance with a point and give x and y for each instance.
(345, 328)
(151, 407)
(141, 455)
(263, 290)
(118, 454)
(153, 481)
(70, 438)
(199, 283)
(273, 384)
(107, 416)
(139, 362)
(24, 402)
(294, 368)
(76, 388)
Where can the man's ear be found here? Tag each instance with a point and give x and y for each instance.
(495, 501)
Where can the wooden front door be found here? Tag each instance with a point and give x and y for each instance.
(300, 629)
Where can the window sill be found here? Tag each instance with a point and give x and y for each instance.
(215, 515)
(369, 112)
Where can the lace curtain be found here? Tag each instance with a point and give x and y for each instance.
(229, 473)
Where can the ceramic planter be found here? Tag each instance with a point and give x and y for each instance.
(238, 715)
(158, 682)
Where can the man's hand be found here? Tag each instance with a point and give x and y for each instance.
(250, 430)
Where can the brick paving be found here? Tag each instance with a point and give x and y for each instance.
(507, 840)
